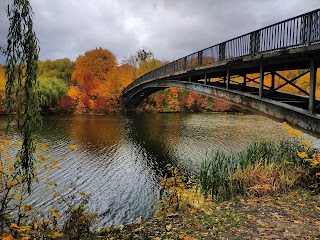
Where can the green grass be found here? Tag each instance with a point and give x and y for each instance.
(218, 169)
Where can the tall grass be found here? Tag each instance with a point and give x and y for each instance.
(263, 167)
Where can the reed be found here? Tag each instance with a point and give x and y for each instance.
(264, 167)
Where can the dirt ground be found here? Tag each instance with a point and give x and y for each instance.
(294, 215)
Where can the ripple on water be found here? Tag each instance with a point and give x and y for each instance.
(120, 158)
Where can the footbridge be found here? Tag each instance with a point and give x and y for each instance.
(249, 71)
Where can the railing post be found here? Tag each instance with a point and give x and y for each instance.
(312, 92)
(306, 29)
(200, 54)
(185, 63)
(254, 42)
(222, 51)
(261, 82)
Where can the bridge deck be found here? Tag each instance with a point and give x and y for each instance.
(287, 45)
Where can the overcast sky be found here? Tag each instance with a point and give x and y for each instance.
(169, 28)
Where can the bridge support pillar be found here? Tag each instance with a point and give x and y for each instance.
(190, 78)
(313, 79)
(261, 82)
(228, 79)
(244, 80)
(205, 79)
(272, 80)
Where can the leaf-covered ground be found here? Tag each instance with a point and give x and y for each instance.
(295, 215)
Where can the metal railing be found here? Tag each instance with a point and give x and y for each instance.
(303, 30)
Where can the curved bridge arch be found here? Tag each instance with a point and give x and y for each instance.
(266, 51)
(270, 108)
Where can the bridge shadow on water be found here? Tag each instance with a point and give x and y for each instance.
(153, 139)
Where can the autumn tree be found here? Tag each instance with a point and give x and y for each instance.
(91, 75)
(151, 64)
(135, 60)
(60, 68)
(119, 78)
(96, 63)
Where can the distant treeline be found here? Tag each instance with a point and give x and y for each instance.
(93, 84)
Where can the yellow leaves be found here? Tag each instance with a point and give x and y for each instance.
(2, 148)
(47, 168)
(45, 147)
(108, 229)
(291, 130)
(36, 225)
(169, 227)
(5, 142)
(27, 207)
(139, 229)
(24, 228)
(14, 226)
(302, 155)
(18, 144)
(56, 234)
(54, 213)
(11, 166)
(8, 237)
(25, 238)
(19, 179)
(3, 171)
(53, 183)
(185, 237)
(298, 133)
(315, 161)
(73, 147)
(121, 227)
(288, 162)
(54, 162)
(10, 183)
(305, 143)
(16, 185)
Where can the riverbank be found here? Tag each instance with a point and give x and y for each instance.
(256, 193)
(125, 183)
(294, 215)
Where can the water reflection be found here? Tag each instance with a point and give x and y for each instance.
(150, 133)
(121, 157)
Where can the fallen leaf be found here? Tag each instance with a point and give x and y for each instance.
(168, 227)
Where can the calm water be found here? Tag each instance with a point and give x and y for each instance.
(121, 157)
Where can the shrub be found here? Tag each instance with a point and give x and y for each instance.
(79, 220)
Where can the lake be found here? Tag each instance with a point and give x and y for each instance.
(120, 158)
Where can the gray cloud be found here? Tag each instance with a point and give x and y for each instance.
(170, 28)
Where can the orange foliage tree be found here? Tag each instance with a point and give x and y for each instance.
(91, 79)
